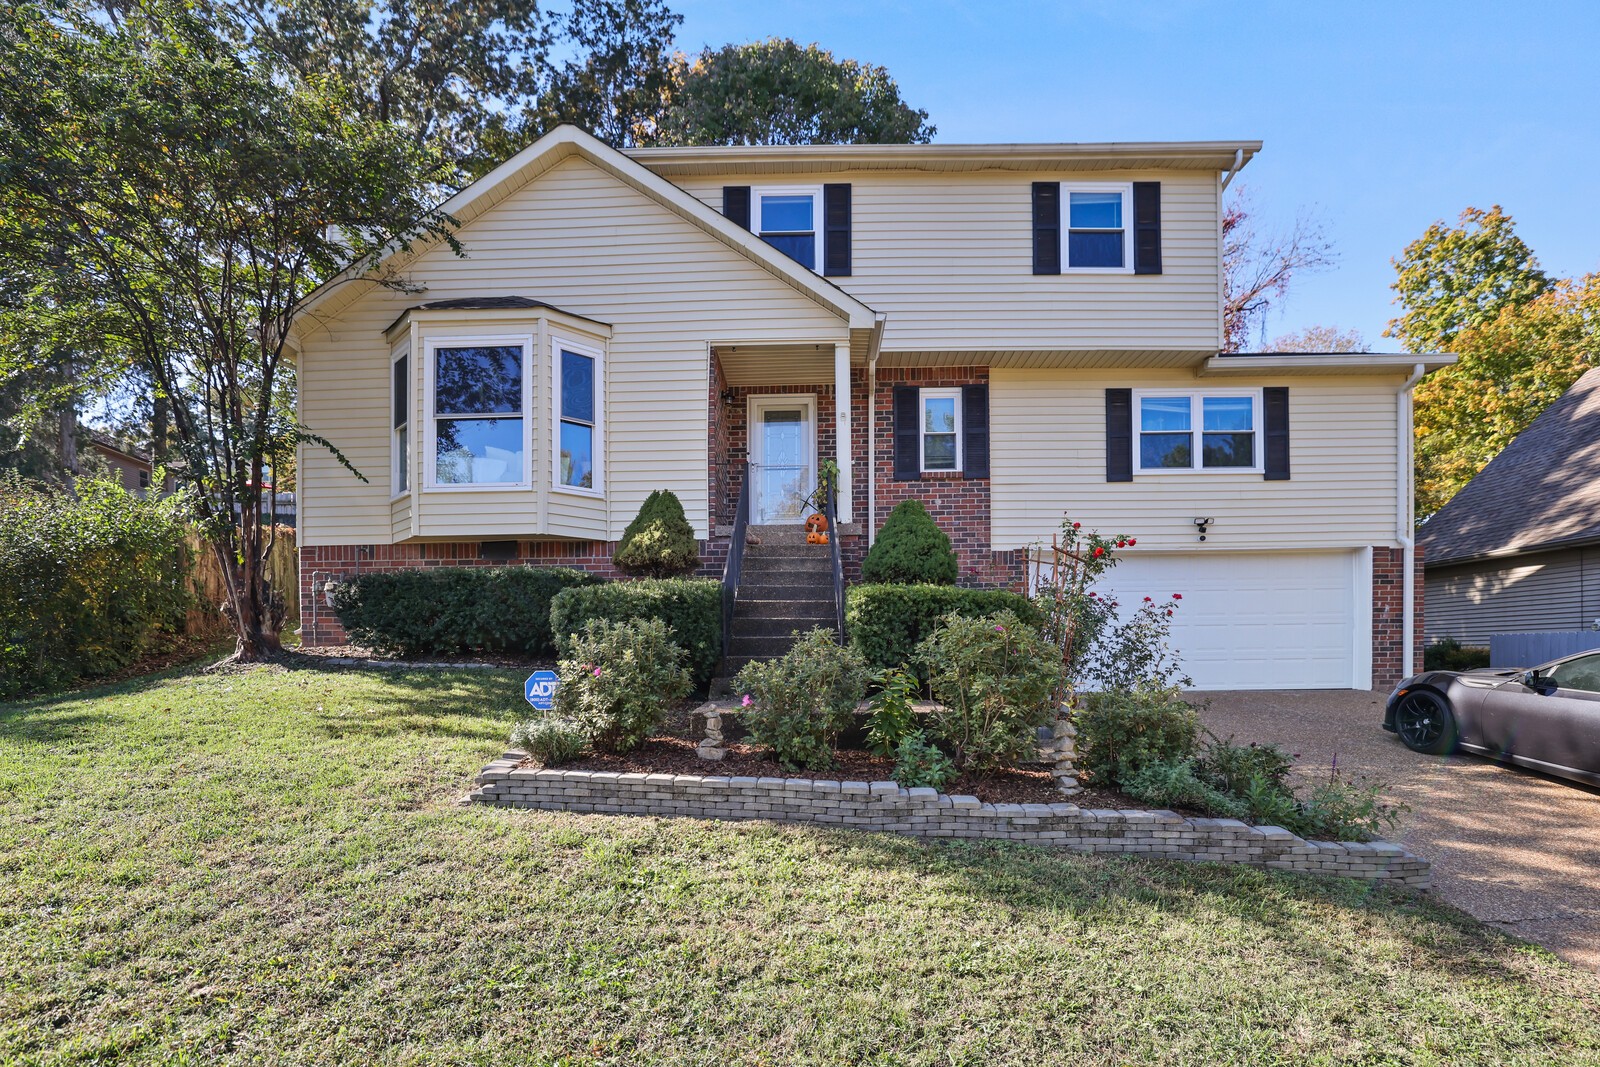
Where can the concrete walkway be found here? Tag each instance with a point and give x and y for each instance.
(1516, 849)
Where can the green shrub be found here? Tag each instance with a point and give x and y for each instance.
(886, 623)
(1231, 768)
(691, 608)
(994, 678)
(88, 582)
(551, 739)
(918, 763)
(798, 704)
(892, 719)
(1448, 654)
(1122, 732)
(910, 549)
(1339, 810)
(659, 542)
(1175, 784)
(619, 680)
(454, 610)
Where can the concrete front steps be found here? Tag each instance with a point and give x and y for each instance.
(786, 585)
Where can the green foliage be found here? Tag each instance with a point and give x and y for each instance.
(918, 763)
(453, 610)
(659, 542)
(798, 704)
(892, 718)
(1174, 783)
(995, 678)
(1346, 811)
(1137, 652)
(778, 92)
(886, 623)
(551, 739)
(1231, 768)
(910, 549)
(691, 608)
(619, 680)
(87, 582)
(1122, 731)
(1448, 654)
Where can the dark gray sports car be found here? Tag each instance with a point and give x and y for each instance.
(1546, 719)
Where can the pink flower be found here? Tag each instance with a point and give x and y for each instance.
(597, 672)
(999, 629)
(746, 702)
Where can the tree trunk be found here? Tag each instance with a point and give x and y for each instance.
(69, 441)
(249, 608)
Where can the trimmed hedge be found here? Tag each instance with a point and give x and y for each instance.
(453, 610)
(691, 608)
(887, 622)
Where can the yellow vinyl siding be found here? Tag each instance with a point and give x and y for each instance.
(591, 245)
(1048, 453)
(949, 258)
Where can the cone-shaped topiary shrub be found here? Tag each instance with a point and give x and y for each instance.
(659, 542)
(910, 548)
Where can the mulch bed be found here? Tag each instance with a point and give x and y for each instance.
(470, 659)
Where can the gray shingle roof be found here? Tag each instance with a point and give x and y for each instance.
(1542, 492)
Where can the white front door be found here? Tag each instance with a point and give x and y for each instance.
(783, 457)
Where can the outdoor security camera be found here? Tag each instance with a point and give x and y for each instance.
(1201, 524)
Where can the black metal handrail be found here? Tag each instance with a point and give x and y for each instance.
(830, 510)
(734, 567)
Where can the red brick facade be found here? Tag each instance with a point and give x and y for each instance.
(1388, 619)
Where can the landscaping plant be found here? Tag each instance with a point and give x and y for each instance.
(995, 678)
(1121, 732)
(1136, 653)
(910, 548)
(659, 542)
(886, 623)
(1072, 616)
(691, 608)
(796, 706)
(619, 680)
(892, 719)
(551, 739)
(920, 763)
(1448, 654)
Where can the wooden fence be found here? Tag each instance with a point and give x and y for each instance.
(211, 591)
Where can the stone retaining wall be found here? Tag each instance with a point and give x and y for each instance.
(887, 807)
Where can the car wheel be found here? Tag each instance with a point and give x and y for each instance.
(1425, 723)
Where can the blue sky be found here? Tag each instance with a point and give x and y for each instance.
(1378, 118)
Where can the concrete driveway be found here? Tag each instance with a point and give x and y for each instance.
(1516, 849)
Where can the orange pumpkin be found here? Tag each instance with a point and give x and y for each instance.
(816, 538)
(816, 522)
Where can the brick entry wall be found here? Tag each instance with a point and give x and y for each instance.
(1388, 619)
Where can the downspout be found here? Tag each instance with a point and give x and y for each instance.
(1233, 172)
(1404, 521)
(874, 348)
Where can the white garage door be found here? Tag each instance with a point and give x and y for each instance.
(1256, 620)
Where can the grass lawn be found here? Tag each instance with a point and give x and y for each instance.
(268, 867)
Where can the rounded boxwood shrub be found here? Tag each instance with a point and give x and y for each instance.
(452, 610)
(887, 622)
(619, 680)
(691, 608)
(910, 548)
(659, 542)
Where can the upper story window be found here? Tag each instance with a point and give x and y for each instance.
(1097, 235)
(1198, 431)
(478, 423)
(941, 429)
(400, 473)
(787, 220)
(578, 415)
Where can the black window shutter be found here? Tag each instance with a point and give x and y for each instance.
(1275, 414)
(975, 430)
(836, 230)
(1047, 227)
(402, 400)
(1119, 435)
(907, 439)
(736, 204)
(1147, 227)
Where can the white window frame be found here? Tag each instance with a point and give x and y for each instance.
(1197, 416)
(571, 343)
(923, 396)
(1126, 189)
(400, 481)
(430, 434)
(818, 237)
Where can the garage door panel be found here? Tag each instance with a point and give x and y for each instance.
(1252, 620)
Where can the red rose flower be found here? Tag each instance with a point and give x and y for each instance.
(1076, 525)
(1132, 541)
(1098, 552)
(1177, 596)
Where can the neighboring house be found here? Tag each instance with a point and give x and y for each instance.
(1021, 331)
(1517, 550)
(129, 464)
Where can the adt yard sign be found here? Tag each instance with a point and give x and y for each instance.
(540, 689)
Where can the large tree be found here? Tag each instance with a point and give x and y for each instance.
(778, 92)
(166, 203)
(1258, 266)
(1319, 339)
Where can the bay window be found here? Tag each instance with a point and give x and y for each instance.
(478, 416)
(578, 387)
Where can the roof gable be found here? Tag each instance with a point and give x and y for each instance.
(1541, 492)
(566, 142)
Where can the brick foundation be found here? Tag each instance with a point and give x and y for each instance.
(1388, 619)
(887, 807)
